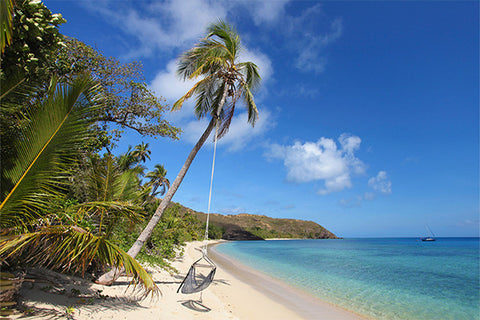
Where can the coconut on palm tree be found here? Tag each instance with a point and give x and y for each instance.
(224, 80)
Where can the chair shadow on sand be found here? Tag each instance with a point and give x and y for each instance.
(195, 305)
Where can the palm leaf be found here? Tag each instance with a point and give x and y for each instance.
(103, 179)
(178, 105)
(206, 97)
(114, 209)
(229, 36)
(6, 25)
(70, 248)
(56, 130)
(250, 71)
(226, 120)
(195, 62)
(251, 106)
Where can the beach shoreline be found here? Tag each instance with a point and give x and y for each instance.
(237, 292)
(303, 304)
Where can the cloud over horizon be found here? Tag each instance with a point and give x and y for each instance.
(323, 160)
(381, 183)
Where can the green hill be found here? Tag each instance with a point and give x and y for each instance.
(258, 227)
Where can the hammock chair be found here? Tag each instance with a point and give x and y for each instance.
(195, 282)
(201, 275)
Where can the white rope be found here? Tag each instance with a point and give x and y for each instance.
(210, 193)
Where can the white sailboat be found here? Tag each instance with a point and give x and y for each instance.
(430, 237)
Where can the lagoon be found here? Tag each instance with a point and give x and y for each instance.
(387, 278)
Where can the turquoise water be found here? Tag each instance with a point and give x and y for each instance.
(379, 278)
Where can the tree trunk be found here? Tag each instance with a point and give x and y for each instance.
(109, 277)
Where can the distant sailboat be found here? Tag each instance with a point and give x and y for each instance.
(430, 237)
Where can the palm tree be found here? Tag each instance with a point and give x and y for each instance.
(224, 81)
(141, 152)
(157, 179)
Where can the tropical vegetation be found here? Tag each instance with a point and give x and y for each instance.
(68, 202)
(61, 202)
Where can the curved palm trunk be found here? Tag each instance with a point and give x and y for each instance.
(147, 232)
(109, 277)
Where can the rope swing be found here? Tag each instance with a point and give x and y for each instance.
(200, 276)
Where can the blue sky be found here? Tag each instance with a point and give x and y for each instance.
(369, 111)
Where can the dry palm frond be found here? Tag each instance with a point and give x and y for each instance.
(70, 248)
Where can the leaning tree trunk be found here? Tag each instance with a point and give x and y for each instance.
(110, 277)
(147, 232)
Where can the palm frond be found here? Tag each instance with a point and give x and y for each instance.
(103, 215)
(251, 106)
(200, 60)
(252, 76)
(103, 179)
(226, 120)
(69, 248)
(206, 97)
(125, 209)
(129, 185)
(177, 105)
(228, 34)
(56, 130)
(6, 25)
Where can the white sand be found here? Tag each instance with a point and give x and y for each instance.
(237, 293)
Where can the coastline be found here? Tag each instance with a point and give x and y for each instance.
(304, 305)
(237, 292)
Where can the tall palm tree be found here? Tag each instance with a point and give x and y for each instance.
(224, 81)
(157, 179)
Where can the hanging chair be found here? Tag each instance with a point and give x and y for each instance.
(201, 275)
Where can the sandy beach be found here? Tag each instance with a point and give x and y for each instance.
(238, 292)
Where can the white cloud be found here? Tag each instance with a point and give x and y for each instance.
(381, 183)
(321, 161)
(168, 85)
(160, 26)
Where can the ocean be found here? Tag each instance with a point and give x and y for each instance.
(384, 278)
